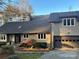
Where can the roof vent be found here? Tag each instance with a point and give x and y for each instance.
(19, 27)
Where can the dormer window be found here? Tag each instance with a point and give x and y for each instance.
(68, 21)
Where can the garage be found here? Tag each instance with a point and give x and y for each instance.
(66, 41)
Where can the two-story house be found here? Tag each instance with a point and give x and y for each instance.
(1, 18)
(65, 29)
(58, 30)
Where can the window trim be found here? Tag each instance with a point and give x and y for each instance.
(3, 36)
(26, 35)
(41, 37)
(67, 22)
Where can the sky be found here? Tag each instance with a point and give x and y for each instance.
(42, 7)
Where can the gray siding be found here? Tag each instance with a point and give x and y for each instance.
(59, 29)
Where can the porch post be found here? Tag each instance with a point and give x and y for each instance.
(13, 39)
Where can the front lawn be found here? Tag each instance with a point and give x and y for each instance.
(29, 55)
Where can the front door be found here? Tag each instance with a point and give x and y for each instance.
(17, 38)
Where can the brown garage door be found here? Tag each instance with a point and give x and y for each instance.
(66, 41)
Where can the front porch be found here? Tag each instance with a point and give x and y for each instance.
(39, 44)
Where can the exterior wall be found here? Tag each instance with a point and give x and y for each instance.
(60, 29)
(70, 30)
(48, 40)
(12, 39)
(1, 21)
(14, 19)
(18, 19)
(52, 35)
(3, 40)
(35, 36)
(31, 36)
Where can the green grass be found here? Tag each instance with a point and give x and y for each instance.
(29, 55)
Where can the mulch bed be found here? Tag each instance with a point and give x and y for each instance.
(3, 56)
(32, 50)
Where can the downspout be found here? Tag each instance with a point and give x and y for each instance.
(51, 40)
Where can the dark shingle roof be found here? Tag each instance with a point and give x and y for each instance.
(38, 24)
(34, 26)
(56, 17)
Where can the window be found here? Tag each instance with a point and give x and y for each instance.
(68, 21)
(77, 40)
(25, 35)
(42, 36)
(2, 37)
(73, 40)
(63, 40)
(66, 40)
(10, 19)
(64, 22)
(72, 22)
(70, 40)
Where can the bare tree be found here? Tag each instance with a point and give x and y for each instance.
(22, 8)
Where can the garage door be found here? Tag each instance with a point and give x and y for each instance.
(66, 41)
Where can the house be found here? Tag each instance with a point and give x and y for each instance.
(1, 18)
(58, 30)
(19, 18)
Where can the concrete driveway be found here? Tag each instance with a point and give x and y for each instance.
(62, 54)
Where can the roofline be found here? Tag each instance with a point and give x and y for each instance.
(25, 33)
(63, 12)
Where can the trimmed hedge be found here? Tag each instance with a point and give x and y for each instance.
(13, 57)
(41, 45)
(8, 49)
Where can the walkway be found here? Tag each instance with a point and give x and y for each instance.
(62, 54)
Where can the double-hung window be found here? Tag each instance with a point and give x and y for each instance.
(68, 21)
(26, 35)
(42, 36)
(2, 36)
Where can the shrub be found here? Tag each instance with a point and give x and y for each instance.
(8, 49)
(13, 57)
(41, 45)
(33, 42)
(2, 43)
(23, 45)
